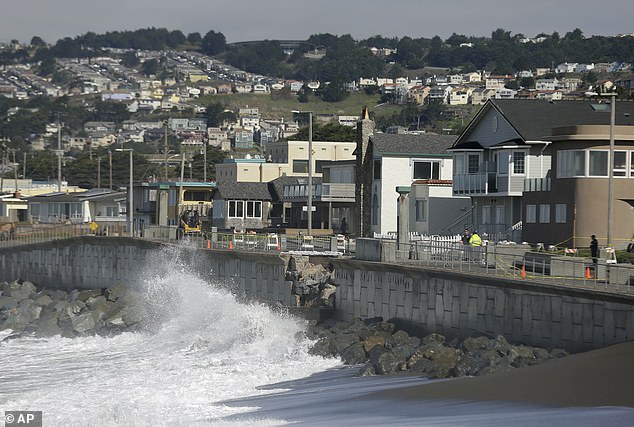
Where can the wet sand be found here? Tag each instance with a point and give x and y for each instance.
(603, 377)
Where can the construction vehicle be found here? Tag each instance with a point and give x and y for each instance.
(190, 222)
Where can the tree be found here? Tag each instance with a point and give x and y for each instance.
(328, 132)
(396, 71)
(333, 92)
(37, 41)
(150, 67)
(194, 38)
(47, 67)
(130, 59)
(214, 43)
(527, 82)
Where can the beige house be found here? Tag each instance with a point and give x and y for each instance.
(572, 203)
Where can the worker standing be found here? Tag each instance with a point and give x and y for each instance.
(475, 239)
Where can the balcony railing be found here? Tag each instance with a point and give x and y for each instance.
(537, 184)
(477, 183)
(336, 192)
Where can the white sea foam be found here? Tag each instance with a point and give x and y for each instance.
(200, 348)
(203, 358)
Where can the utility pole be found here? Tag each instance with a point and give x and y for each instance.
(110, 164)
(24, 166)
(15, 171)
(165, 124)
(59, 155)
(98, 171)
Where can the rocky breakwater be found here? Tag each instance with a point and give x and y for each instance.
(27, 309)
(382, 349)
(312, 284)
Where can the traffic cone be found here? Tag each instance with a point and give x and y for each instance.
(588, 274)
(523, 272)
(208, 244)
(230, 245)
(279, 247)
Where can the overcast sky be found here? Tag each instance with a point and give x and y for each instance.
(242, 20)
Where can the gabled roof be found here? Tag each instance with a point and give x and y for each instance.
(402, 145)
(534, 120)
(243, 191)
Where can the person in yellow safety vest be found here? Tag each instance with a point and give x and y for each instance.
(475, 239)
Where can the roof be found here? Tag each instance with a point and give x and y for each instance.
(535, 120)
(412, 145)
(277, 185)
(92, 194)
(243, 191)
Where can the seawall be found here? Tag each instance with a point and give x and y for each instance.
(419, 299)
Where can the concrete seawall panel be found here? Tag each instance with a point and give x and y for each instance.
(458, 305)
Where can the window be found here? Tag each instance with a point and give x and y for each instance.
(377, 169)
(531, 214)
(571, 163)
(300, 166)
(319, 165)
(499, 214)
(35, 210)
(503, 163)
(579, 163)
(598, 165)
(486, 214)
(560, 213)
(458, 164)
(112, 211)
(544, 214)
(421, 210)
(426, 170)
(473, 163)
(375, 210)
(236, 209)
(620, 163)
(254, 209)
(519, 160)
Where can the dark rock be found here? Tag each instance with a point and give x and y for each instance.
(376, 340)
(354, 354)
(433, 338)
(87, 294)
(372, 321)
(385, 361)
(367, 370)
(475, 343)
(43, 300)
(556, 353)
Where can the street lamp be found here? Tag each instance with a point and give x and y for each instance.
(309, 192)
(130, 192)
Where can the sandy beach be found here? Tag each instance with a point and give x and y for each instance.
(603, 377)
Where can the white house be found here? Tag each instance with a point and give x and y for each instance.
(546, 84)
(400, 160)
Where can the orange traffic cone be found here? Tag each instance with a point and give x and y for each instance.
(523, 272)
(230, 245)
(208, 244)
(279, 248)
(588, 274)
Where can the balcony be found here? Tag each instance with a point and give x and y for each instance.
(537, 184)
(336, 192)
(477, 183)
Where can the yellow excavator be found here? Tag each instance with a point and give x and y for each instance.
(190, 222)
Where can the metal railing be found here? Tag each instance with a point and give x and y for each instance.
(520, 263)
(38, 233)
